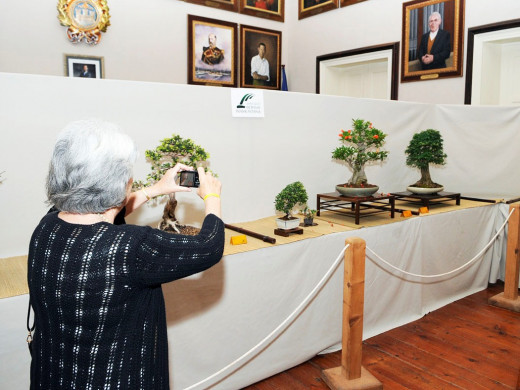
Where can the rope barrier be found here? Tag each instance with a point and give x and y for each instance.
(452, 271)
(279, 329)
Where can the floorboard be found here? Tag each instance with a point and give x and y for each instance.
(468, 344)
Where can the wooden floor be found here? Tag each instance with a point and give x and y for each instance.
(465, 345)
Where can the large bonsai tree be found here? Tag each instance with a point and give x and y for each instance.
(362, 145)
(424, 149)
(170, 152)
(289, 197)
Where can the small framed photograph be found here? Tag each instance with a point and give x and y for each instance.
(84, 66)
(228, 5)
(212, 52)
(308, 8)
(432, 39)
(260, 61)
(269, 9)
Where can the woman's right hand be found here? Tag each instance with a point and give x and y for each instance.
(209, 190)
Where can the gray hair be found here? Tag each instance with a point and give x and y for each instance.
(91, 166)
(435, 13)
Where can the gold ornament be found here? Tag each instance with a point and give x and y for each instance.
(85, 19)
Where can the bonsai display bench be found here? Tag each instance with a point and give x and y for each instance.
(428, 199)
(376, 203)
(288, 232)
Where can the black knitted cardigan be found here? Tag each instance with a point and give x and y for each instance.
(99, 308)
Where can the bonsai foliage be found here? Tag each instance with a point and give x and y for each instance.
(289, 197)
(424, 149)
(170, 152)
(359, 146)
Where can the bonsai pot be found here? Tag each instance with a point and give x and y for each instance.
(424, 190)
(368, 190)
(287, 224)
(308, 221)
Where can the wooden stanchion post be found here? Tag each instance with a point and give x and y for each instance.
(351, 375)
(509, 298)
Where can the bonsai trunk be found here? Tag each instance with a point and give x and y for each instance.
(169, 221)
(426, 180)
(359, 176)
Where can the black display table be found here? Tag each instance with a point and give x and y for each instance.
(428, 199)
(377, 203)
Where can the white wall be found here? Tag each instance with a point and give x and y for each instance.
(375, 22)
(147, 41)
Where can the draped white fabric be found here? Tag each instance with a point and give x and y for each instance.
(217, 316)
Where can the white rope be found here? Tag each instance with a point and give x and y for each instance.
(280, 328)
(456, 269)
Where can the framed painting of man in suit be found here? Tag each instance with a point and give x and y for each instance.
(432, 39)
(260, 57)
(212, 52)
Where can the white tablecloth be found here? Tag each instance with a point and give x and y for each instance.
(216, 316)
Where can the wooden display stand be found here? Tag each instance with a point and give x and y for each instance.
(288, 232)
(509, 298)
(351, 375)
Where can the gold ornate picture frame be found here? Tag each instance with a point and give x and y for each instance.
(85, 19)
(308, 8)
(228, 5)
(447, 47)
(268, 9)
(212, 52)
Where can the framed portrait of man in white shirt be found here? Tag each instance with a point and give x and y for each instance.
(260, 57)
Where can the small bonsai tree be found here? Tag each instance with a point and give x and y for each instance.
(363, 143)
(289, 197)
(424, 149)
(170, 152)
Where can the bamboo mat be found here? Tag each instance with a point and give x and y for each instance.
(13, 270)
(13, 276)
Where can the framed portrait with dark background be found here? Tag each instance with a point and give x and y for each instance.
(212, 52)
(269, 9)
(84, 66)
(228, 5)
(260, 57)
(432, 39)
(308, 8)
(345, 3)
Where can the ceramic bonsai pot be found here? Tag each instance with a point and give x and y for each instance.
(287, 224)
(356, 191)
(424, 190)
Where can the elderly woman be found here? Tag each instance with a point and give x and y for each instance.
(95, 287)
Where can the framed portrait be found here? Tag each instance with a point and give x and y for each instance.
(260, 57)
(269, 9)
(344, 3)
(84, 66)
(432, 39)
(228, 5)
(308, 8)
(212, 52)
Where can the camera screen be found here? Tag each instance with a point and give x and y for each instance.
(189, 179)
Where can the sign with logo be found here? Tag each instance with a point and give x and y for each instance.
(85, 19)
(247, 103)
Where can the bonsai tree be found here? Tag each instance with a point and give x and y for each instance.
(359, 146)
(289, 197)
(170, 152)
(424, 149)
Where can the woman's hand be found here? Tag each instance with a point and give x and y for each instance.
(209, 190)
(167, 184)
